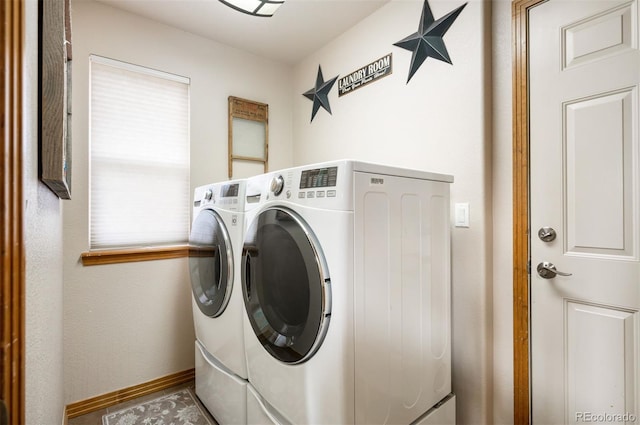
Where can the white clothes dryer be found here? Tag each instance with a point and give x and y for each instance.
(346, 285)
(214, 259)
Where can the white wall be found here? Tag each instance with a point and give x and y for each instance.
(502, 215)
(43, 257)
(130, 323)
(439, 121)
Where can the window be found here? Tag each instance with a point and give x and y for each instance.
(139, 131)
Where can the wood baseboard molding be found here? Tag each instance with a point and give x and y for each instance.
(106, 400)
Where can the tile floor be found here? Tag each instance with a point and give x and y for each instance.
(95, 418)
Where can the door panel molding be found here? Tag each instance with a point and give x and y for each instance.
(12, 349)
(520, 25)
(612, 28)
(589, 138)
(609, 325)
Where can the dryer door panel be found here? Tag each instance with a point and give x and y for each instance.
(286, 285)
(210, 263)
(402, 297)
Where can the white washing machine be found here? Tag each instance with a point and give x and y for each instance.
(346, 284)
(214, 260)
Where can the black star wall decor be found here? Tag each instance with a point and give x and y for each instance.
(427, 41)
(320, 93)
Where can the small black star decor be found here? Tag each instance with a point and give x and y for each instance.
(320, 93)
(428, 40)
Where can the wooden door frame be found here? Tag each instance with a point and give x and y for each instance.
(521, 249)
(12, 299)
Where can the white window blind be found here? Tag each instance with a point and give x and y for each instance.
(139, 130)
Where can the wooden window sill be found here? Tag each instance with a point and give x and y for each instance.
(115, 256)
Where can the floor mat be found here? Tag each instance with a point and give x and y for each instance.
(179, 408)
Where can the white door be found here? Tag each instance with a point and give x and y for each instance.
(585, 328)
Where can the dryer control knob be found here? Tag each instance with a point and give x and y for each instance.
(208, 194)
(277, 184)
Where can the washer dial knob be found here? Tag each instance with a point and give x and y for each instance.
(208, 194)
(277, 184)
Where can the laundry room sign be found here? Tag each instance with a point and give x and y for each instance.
(365, 75)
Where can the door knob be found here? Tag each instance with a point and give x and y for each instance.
(548, 270)
(546, 234)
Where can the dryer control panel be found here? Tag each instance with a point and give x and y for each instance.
(319, 177)
(318, 183)
(324, 186)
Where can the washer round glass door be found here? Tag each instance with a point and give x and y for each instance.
(286, 285)
(210, 263)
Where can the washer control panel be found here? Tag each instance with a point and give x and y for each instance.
(226, 194)
(229, 190)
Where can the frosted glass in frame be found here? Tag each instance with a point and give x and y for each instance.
(249, 138)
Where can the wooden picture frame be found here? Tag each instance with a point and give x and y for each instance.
(55, 96)
(249, 121)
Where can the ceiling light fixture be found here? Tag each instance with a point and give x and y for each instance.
(263, 8)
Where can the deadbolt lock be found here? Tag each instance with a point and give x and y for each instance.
(547, 234)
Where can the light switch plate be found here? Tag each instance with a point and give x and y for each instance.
(461, 218)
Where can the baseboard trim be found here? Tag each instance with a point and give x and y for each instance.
(103, 401)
